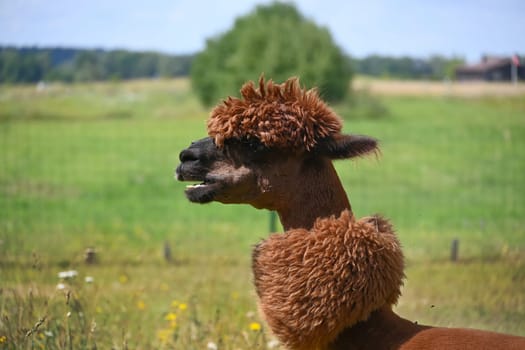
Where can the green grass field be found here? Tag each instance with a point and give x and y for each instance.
(92, 166)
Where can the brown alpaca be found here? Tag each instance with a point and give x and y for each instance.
(329, 281)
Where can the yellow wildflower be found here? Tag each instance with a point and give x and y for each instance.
(141, 305)
(175, 303)
(164, 335)
(170, 316)
(3, 339)
(183, 306)
(255, 326)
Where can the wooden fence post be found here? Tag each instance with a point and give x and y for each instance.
(454, 251)
(273, 219)
(167, 251)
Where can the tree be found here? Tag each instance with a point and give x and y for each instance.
(16, 66)
(277, 41)
(88, 66)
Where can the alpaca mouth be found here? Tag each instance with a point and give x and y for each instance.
(203, 192)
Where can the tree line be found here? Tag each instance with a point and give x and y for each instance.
(31, 64)
(435, 67)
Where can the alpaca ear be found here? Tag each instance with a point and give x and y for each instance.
(347, 146)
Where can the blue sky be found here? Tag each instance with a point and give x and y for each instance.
(467, 28)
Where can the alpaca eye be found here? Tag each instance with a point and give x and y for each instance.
(256, 145)
(246, 150)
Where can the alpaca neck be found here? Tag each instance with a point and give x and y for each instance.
(317, 193)
(383, 329)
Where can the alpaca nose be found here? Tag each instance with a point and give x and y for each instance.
(201, 150)
(188, 155)
(195, 161)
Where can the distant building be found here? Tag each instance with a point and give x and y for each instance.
(492, 69)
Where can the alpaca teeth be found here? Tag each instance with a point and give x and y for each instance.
(195, 186)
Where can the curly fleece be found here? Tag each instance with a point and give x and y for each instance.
(281, 116)
(314, 284)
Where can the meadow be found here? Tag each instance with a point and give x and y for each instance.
(91, 166)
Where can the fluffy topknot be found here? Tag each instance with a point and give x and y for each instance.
(282, 116)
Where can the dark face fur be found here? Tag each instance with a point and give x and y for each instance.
(235, 173)
(244, 171)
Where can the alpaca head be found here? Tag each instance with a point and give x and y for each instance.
(262, 146)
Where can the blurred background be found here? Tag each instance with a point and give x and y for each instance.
(99, 247)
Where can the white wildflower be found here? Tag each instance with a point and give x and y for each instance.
(272, 344)
(61, 286)
(211, 346)
(89, 279)
(67, 274)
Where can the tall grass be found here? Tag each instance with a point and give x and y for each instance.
(92, 166)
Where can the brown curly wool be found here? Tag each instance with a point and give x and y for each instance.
(313, 284)
(282, 116)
